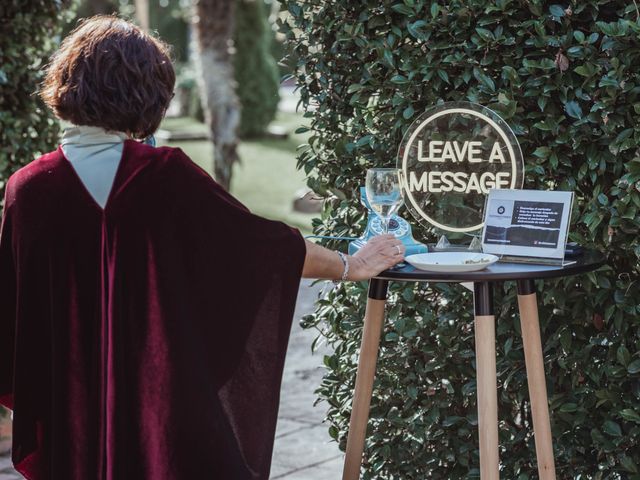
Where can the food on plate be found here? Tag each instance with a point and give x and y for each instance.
(476, 261)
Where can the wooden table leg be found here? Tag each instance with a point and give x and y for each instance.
(373, 320)
(535, 377)
(486, 381)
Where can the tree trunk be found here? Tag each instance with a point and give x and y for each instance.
(213, 26)
(142, 13)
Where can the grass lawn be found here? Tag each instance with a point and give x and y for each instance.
(266, 179)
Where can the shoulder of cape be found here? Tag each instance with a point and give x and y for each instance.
(40, 168)
(41, 165)
(172, 159)
(168, 160)
(45, 164)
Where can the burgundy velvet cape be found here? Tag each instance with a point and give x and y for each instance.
(145, 340)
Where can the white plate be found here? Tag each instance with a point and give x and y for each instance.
(451, 261)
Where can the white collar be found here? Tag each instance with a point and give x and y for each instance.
(88, 135)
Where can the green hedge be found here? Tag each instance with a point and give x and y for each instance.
(256, 70)
(566, 78)
(27, 128)
(27, 38)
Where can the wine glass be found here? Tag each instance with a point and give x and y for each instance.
(384, 193)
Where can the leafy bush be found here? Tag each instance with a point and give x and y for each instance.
(566, 78)
(255, 68)
(27, 128)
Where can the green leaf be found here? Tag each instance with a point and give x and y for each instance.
(612, 428)
(295, 9)
(623, 356)
(412, 392)
(507, 345)
(628, 464)
(608, 82)
(585, 70)
(634, 367)
(469, 388)
(399, 79)
(414, 29)
(365, 140)
(443, 75)
(404, 9)
(542, 152)
(557, 10)
(622, 142)
(573, 109)
(630, 415)
(603, 282)
(408, 112)
(485, 34)
(568, 407)
(391, 337)
(388, 58)
(452, 420)
(484, 79)
(408, 295)
(602, 199)
(435, 10)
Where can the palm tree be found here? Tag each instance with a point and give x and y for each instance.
(213, 26)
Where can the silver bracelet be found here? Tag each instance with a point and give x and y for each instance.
(345, 262)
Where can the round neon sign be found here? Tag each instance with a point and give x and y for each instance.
(450, 158)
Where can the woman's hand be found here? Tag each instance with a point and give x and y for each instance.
(380, 253)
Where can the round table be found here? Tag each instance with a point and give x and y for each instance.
(483, 280)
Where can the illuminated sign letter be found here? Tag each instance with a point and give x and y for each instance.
(434, 150)
(496, 153)
(418, 185)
